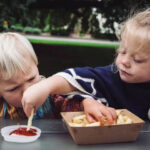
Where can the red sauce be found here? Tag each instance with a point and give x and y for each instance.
(23, 131)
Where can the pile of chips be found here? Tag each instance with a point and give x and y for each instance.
(81, 121)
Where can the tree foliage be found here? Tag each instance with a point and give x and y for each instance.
(62, 18)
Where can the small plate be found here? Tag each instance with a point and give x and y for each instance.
(18, 138)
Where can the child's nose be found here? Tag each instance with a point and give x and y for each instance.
(126, 62)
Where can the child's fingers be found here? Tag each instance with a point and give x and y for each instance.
(110, 114)
(107, 115)
(90, 118)
(99, 116)
(27, 110)
(113, 113)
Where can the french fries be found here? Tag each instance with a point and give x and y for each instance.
(123, 119)
(81, 121)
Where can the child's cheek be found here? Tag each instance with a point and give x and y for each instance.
(117, 61)
(14, 99)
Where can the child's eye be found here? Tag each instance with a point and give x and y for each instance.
(31, 79)
(122, 52)
(138, 60)
(14, 89)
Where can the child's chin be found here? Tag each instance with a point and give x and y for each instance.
(126, 80)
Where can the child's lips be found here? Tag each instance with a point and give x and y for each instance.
(124, 73)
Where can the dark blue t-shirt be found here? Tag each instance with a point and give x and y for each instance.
(104, 83)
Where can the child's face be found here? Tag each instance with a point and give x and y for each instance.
(133, 67)
(12, 90)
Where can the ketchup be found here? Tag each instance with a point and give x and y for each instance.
(23, 131)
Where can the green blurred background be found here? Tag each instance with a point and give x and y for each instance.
(77, 19)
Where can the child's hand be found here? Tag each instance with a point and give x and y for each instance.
(96, 111)
(34, 97)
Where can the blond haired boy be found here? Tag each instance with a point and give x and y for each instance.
(18, 71)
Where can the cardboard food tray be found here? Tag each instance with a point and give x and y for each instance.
(104, 134)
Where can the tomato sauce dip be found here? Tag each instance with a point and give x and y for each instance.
(23, 131)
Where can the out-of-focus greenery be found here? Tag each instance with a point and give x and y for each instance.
(21, 16)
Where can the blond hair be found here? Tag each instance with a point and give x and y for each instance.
(14, 48)
(137, 26)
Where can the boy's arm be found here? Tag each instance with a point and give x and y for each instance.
(36, 94)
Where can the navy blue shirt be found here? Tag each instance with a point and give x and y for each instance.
(105, 82)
